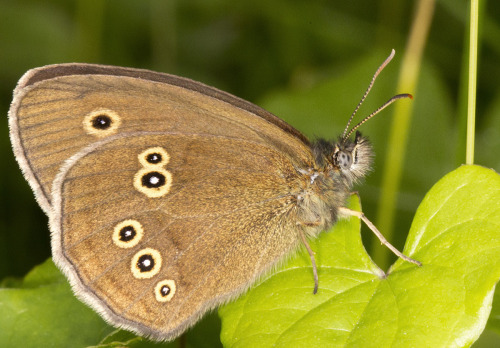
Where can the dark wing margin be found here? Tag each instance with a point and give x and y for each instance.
(52, 71)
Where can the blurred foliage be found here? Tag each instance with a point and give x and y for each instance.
(262, 51)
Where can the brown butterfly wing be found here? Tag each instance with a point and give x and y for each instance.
(51, 104)
(226, 217)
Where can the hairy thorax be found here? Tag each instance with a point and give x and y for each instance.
(318, 203)
(338, 166)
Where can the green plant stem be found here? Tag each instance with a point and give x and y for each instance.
(471, 100)
(398, 136)
(463, 94)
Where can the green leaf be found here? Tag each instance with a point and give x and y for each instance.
(41, 311)
(446, 302)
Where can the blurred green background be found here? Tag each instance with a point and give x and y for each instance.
(308, 62)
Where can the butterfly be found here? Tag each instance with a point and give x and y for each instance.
(167, 197)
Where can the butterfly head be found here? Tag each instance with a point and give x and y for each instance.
(346, 159)
(352, 158)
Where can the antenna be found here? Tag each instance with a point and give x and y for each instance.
(386, 104)
(389, 102)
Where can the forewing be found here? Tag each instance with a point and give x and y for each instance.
(51, 105)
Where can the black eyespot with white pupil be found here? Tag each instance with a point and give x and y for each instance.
(165, 290)
(154, 158)
(101, 122)
(127, 233)
(145, 263)
(153, 180)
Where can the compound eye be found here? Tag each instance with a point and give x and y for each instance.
(344, 159)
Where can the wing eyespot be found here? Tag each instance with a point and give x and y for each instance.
(153, 182)
(165, 290)
(101, 123)
(154, 157)
(127, 233)
(152, 179)
(146, 263)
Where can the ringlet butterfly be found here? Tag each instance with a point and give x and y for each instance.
(167, 197)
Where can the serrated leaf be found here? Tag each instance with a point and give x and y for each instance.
(446, 302)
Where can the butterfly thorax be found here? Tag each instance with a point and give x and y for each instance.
(338, 166)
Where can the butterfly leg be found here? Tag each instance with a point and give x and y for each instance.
(371, 226)
(313, 261)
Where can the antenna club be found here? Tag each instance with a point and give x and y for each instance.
(401, 96)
